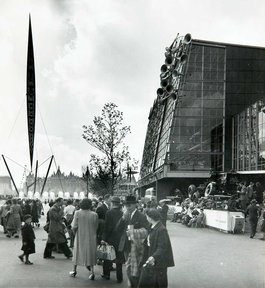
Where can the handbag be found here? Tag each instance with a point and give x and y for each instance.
(46, 227)
(106, 252)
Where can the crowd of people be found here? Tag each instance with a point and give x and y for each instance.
(248, 199)
(136, 231)
(78, 228)
(13, 211)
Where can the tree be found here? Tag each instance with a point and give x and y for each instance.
(107, 135)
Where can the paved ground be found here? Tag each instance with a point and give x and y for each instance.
(204, 258)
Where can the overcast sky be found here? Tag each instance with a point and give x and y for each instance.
(88, 53)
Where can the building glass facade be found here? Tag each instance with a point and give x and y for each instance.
(216, 122)
(196, 140)
(249, 138)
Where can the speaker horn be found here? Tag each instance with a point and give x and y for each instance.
(163, 68)
(183, 58)
(173, 96)
(169, 60)
(187, 39)
(176, 73)
(160, 92)
(164, 83)
(169, 88)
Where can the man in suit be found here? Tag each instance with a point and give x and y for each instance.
(134, 226)
(159, 253)
(112, 236)
(101, 211)
(163, 209)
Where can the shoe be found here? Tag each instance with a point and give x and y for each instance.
(251, 237)
(8, 236)
(28, 263)
(105, 276)
(70, 256)
(48, 257)
(88, 268)
(21, 258)
(72, 273)
(16, 236)
(91, 276)
(261, 239)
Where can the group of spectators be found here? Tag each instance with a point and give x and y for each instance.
(248, 199)
(13, 211)
(190, 214)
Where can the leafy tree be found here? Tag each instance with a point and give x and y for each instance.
(107, 135)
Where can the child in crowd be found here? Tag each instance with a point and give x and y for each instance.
(28, 237)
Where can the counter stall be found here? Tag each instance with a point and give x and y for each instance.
(225, 221)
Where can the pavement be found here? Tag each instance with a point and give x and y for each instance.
(204, 258)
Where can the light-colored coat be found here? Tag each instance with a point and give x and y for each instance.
(85, 224)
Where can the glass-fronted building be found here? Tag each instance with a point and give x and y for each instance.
(214, 123)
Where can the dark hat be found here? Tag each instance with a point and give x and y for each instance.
(27, 216)
(130, 200)
(115, 199)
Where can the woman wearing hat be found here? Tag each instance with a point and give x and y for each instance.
(85, 226)
(159, 254)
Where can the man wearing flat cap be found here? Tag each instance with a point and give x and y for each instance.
(134, 226)
(112, 236)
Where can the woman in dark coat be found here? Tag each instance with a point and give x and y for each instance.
(159, 254)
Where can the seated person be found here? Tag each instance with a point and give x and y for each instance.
(200, 221)
(179, 214)
(194, 215)
(233, 203)
(188, 216)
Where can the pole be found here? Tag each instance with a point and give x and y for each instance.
(35, 181)
(10, 174)
(46, 175)
(87, 174)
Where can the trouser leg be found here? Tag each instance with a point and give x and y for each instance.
(48, 250)
(107, 264)
(119, 271)
(119, 261)
(66, 250)
(161, 278)
(254, 227)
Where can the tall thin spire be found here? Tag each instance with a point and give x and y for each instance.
(31, 94)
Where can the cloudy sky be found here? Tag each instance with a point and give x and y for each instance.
(88, 53)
